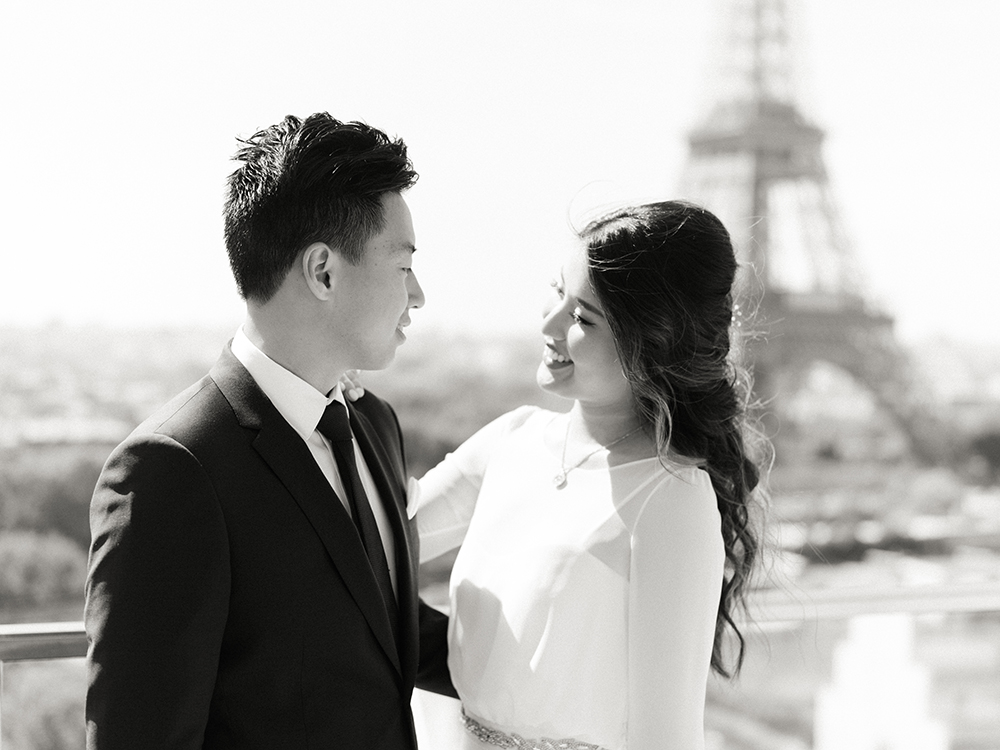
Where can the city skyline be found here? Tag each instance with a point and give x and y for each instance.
(519, 119)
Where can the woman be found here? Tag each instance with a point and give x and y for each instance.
(604, 551)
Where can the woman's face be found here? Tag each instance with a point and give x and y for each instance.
(580, 361)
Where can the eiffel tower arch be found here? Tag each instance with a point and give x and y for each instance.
(756, 161)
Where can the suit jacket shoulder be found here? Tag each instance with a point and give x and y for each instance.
(379, 413)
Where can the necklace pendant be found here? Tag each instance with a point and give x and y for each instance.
(559, 480)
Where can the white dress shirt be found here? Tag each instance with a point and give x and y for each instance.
(302, 406)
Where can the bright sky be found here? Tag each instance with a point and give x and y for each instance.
(121, 116)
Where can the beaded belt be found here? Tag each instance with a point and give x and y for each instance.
(502, 739)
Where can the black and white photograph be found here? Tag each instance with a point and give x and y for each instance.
(451, 376)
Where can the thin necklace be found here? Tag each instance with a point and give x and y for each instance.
(559, 480)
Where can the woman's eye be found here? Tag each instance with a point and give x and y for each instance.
(575, 315)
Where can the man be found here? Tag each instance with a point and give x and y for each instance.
(252, 576)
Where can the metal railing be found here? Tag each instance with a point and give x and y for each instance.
(61, 640)
(38, 641)
(42, 640)
(835, 603)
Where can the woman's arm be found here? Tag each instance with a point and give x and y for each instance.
(448, 492)
(675, 583)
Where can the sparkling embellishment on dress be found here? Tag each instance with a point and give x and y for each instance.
(501, 739)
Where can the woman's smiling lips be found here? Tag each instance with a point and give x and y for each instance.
(554, 360)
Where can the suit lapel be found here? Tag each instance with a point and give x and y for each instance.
(289, 458)
(392, 492)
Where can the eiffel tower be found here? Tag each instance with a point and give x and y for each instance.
(756, 161)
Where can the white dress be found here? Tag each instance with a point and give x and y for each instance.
(585, 613)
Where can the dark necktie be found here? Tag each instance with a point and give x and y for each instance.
(334, 424)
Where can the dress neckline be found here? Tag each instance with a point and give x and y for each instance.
(670, 464)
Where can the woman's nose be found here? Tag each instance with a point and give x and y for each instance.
(552, 321)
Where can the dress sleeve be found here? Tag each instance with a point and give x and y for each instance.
(448, 492)
(675, 583)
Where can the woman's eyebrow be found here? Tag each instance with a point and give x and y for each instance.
(590, 307)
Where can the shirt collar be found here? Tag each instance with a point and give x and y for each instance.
(296, 400)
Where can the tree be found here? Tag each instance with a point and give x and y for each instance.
(987, 447)
(39, 568)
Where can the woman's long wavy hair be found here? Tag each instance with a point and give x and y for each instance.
(664, 275)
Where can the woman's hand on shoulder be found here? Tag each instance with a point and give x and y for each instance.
(350, 383)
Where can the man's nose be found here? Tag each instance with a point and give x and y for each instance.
(415, 291)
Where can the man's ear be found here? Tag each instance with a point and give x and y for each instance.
(320, 266)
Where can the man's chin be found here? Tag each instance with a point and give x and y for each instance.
(380, 362)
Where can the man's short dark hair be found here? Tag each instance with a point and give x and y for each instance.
(305, 181)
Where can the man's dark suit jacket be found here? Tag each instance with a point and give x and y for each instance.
(229, 600)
